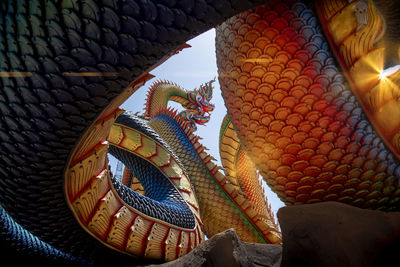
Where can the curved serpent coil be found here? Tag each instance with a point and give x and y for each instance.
(67, 65)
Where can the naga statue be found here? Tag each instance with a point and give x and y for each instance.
(309, 104)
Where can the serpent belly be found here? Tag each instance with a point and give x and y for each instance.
(295, 113)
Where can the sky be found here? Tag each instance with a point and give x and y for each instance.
(191, 68)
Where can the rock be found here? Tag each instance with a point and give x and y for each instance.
(335, 234)
(226, 249)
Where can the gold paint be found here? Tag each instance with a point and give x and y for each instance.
(87, 200)
(148, 147)
(137, 236)
(116, 134)
(100, 222)
(162, 157)
(184, 244)
(132, 139)
(170, 244)
(154, 246)
(78, 175)
(119, 227)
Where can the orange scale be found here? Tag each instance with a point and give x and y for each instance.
(245, 108)
(303, 81)
(237, 24)
(288, 131)
(282, 113)
(330, 197)
(309, 99)
(284, 84)
(255, 114)
(260, 25)
(283, 142)
(311, 72)
(270, 78)
(243, 29)
(295, 176)
(348, 192)
(302, 108)
(231, 55)
(304, 191)
(273, 164)
(343, 169)
(254, 53)
(265, 89)
(279, 24)
(305, 154)
(301, 41)
(320, 105)
(271, 137)
(364, 185)
(244, 47)
(299, 165)
(289, 15)
(270, 107)
(339, 179)
(299, 137)
(294, 119)
(336, 154)
(276, 67)
(317, 132)
(354, 173)
(276, 126)
(307, 180)
(316, 63)
(318, 193)
(302, 55)
(290, 73)
(318, 160)
(330, 166)
(258, 71)
(322, 185)
(281, 180)
(281, 40)
(248, 94)
(239, 92)
(283, 170)
(271, 49)
(247, 66)
(239, 59)
(291, 186)
(292, 48)
(253, 125)
(317, 90)
(325, 176)
(298, 91)
(282, 57)
(270, 15)
(306, 126)
(302, 198)
(266, 119)
(367, 175)
(288, 159)
(252, 18)
(335, 126)
(292, 148)
(259, 100)
(276, 154)
(242, 80)
(347, 131)
(322, 80)
(231, 37)
(312, 171)
(313, 116)
(237, 41)
(329, 137)
(296, 64)
(328, 96)
(261, 132)
(324, 122)
(270, 33)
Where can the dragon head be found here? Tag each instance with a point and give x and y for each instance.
(198, 108)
